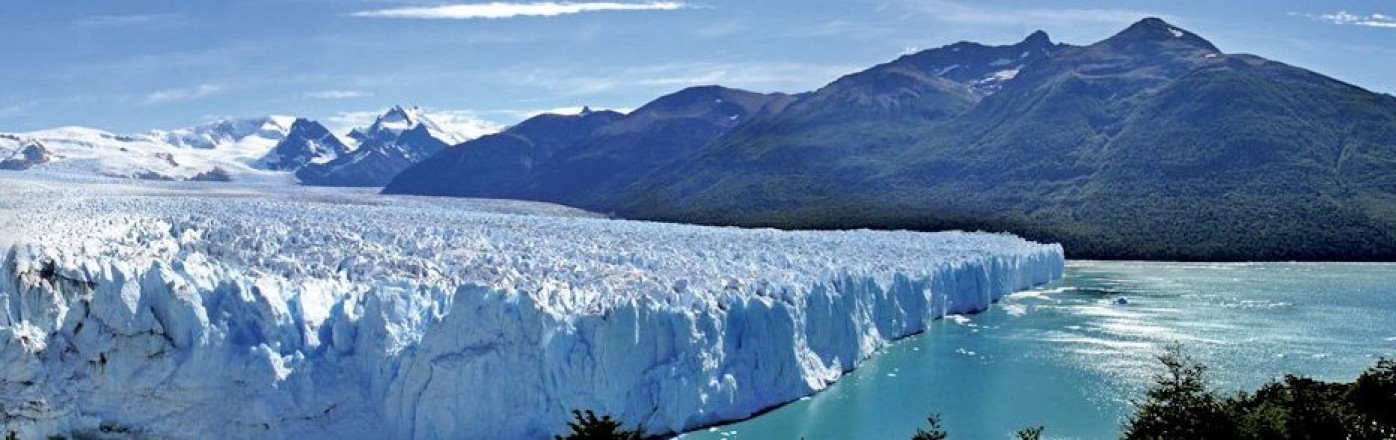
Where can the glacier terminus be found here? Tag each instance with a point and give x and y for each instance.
(192, 310)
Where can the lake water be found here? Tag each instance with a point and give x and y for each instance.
(1066, 357)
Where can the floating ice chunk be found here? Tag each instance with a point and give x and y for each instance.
(1015, 309)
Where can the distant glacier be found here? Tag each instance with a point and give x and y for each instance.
(154, 310)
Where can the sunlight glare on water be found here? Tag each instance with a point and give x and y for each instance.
(1068, 357)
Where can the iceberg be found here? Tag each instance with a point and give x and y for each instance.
(157, 310)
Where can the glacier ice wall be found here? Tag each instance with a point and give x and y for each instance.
(252, 315)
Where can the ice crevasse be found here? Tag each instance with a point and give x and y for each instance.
(190, 316)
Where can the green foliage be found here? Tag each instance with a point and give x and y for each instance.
(1180, 405)
(1030, 433)
(588, 427)
(935, 432)
(1375, 392)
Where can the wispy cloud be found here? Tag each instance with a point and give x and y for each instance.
(949, 11)
(182, 94)
(521, 114)
(670, 76)
(338, 94)
(125, 20)
(844, 28)
(1348, 18)
(343, 122)
(468, 123)
(511, 10)
(11, 111)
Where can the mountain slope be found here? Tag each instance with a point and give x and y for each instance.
(841, 135)
(229, 148)
(588, 160)
(498, 165)
(597, 172)
(1150, 144)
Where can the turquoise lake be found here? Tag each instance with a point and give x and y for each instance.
(1066, 357)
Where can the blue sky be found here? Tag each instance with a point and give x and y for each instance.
(133, 65)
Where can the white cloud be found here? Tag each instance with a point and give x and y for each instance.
(464, 122)
(11, 111)
(126, 20)
(844, 28)
(949, 11)
(1348, 18)
(760, 76)
(515, 116)
(510, 10)
(343, 122)
(182, 94)
(337, 94)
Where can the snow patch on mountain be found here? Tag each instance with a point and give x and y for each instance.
(229, 132)
(241, 149)
(232, 146)
(983, 68)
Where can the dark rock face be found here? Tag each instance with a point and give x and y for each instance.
(216, 174)
(307, 142)
(30, 155)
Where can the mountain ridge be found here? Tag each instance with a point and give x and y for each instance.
(1150, 144)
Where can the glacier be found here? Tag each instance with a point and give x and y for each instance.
(183, 310)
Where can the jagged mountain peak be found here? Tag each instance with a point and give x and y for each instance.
(398, 113)
(400, 119)
(1037, 38)
(980, 68)
(1156, 31)
(308, 142)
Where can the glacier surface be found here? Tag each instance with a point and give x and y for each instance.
(158, 310)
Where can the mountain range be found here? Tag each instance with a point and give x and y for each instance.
(276, 149)
(1150, 144)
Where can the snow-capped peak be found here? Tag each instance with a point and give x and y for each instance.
(400, 119)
